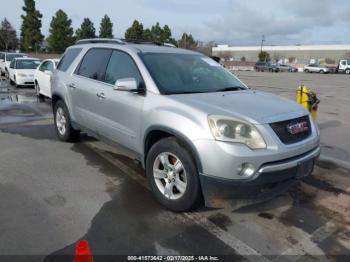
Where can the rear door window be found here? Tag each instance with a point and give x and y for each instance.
(94, 63)
(68, 58)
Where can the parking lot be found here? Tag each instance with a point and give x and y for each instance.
(53, 194)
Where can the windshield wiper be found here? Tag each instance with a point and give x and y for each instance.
(230, 88)
(186, 92)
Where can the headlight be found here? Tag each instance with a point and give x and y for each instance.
(22, 75)
(236, 131)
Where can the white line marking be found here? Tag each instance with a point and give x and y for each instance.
(240, 247)
(309, 243)
(236, 244)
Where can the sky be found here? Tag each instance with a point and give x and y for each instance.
(233, 22)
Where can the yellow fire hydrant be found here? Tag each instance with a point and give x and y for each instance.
(308, 100)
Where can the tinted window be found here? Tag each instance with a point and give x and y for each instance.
(188, 73)
(121, 66)
(94, 63)
(2, 56)
(68, 58)
(10, 57)
(27, 64)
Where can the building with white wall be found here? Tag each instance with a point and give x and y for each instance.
(297, 54)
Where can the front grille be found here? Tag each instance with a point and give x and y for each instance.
(281, 130)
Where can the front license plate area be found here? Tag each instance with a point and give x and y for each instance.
(305, 168)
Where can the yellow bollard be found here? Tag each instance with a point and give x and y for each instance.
(308, 99)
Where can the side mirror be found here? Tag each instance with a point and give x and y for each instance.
(47, 72)
(126, 84)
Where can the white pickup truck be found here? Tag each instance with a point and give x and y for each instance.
(344, 66)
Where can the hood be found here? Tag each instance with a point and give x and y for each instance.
(253, 106)
(26, 71)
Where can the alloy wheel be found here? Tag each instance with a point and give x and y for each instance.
(170, 175)
(61, 121)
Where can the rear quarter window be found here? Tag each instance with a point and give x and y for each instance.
(68, 58)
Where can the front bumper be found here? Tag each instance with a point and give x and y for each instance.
(271, 179)
(25, 81)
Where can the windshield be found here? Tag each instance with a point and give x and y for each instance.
(27, 64)
(10, 57)
(188, 73)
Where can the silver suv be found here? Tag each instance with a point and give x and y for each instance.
(198, 131)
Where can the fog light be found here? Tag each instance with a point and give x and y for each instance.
(246, 170)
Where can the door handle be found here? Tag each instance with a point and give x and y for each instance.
(101, 95)
(72, 85)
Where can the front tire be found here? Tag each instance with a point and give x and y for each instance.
(15, 82)
(63, 126)
(172, 175)
(347, 71)
(37, 90)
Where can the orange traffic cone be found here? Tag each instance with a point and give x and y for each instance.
(82, 252)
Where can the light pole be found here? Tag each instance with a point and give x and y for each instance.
(262, 43)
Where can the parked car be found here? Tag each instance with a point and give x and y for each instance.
(286, 68)
(5, 60)
(195, 128)
(273, 68)
(344, 67)
(262, 66)
(21, 71)
(265, 66)
(314, 68)
(42, 77)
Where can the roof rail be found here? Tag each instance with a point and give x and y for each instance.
(100, 40)
(147, 42)
(121, 41)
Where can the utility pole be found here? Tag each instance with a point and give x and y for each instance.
(262, 43)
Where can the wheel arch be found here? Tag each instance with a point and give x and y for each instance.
(156, 133)
(55, 97)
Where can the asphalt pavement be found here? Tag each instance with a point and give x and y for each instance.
(52, 194)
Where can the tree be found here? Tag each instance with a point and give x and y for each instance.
(187, 41)
(86, 30)
(225, 55)
(106, 27)
(147, 35)
(135, 32)
(8, 36)
(205, 48)
(61, 33)
(264, 56)
(291, 59)
(31, 26)
(330, 61)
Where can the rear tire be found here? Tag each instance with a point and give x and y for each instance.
(175, 184)
(347, 71)
(63, 126)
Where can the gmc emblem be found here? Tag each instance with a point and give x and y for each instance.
(298, 128)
